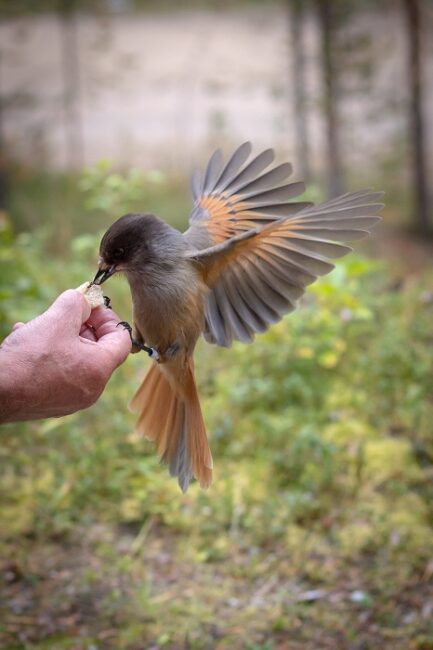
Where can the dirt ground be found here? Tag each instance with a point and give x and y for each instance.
(114, 588)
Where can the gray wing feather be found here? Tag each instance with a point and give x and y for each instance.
(339, 223)
(277, 269)
(355, 197)
(269, 293)
(234, 164)
(299, 277)
(250, 172)
(278, 194)
(332, 233)
(304, 260)
(259, 183)
(251, 319)
(275, 212)
(212, 172)
(215, 327)
(236, 323)
(311, 246)
(260, 304)
(324, 212)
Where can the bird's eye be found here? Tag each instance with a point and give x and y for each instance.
(118, 253)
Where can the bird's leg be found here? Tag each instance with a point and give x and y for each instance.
(168, 354)
(153, 354)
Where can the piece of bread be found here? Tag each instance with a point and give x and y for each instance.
(92, 293)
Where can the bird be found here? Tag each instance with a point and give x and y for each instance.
(246, 258)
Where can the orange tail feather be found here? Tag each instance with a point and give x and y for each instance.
(170, 416)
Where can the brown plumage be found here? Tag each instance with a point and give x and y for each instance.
(243, 263)
(170, 416)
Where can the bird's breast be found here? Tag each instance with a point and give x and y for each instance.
(169, 311)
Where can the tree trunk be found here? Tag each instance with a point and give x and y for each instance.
(335, 181)
(4, 170)
(421, 217)
(296, 15)
(71, 86)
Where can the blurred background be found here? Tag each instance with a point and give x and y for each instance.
(317, 532)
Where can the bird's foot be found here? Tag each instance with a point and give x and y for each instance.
(107, 302)
(152, 352)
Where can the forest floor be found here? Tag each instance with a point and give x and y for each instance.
(114, 588)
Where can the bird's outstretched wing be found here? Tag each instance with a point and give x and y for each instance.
(256, 251)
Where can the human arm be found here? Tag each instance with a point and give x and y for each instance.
(59, 362)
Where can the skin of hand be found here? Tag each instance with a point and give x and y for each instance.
(59, 362)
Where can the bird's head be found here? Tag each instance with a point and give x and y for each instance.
(130, 244)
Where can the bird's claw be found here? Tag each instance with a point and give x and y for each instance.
(152, 352)
(126, 326)
(107, 302)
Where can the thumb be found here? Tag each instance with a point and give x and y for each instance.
(70, 310)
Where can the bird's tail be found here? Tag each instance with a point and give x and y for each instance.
(170, 416)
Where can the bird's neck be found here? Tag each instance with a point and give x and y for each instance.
(164, 283)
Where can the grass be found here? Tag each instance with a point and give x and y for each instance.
(317, 530)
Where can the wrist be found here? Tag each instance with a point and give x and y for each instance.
(14, 387)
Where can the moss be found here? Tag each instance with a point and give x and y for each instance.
(389, 459)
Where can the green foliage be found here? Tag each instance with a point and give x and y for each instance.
(18, 287)
(68, 205)
(321, 433)
(111, 192)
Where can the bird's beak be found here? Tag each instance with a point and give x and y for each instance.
(103, 273)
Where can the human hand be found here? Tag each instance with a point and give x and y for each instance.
(59, 362)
